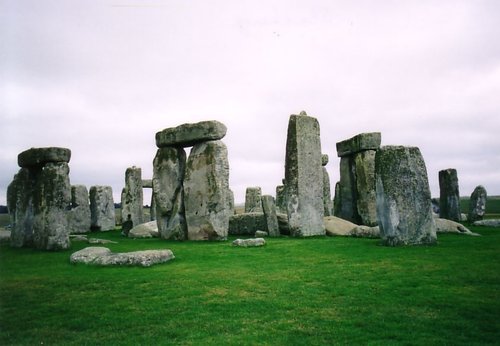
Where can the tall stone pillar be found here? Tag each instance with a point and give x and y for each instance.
(79, 215)
(327, 193)
(477, 204)
(449, 195)
(132, 196)
(253, 199)
(102, 208)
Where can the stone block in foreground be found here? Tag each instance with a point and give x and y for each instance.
(187, 135)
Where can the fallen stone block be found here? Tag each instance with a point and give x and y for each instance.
(488, 223)
(104, 257)
(254, 242)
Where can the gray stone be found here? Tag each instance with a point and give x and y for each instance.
(207, 197)
(254, 242)
(78, 237)
(102, 208)
(247, 223)
(477, 204)
(20, 193)
(403, 197)
(347, 201)
(327, 196)
(147, 183)
(363, 231)
(187, 135)
(169, 168)
(261, 234)
(449, 195)
(145, 230)
(283, 223)
(280, 199)
(41, 156)
(463, 217)
(337, 204)
(363, 141)
(337, 226)
(100, 241)
(324, 160)
(253, 197)
(449, 226)
(304, 177)
(269, 208)
(132, 196)
(79, 215)
(366, 202)
(104, 257)
(4, 236)
(488, 223)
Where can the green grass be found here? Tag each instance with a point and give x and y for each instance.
(311, 291)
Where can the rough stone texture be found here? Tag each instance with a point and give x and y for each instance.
(463, 217)
(4, 236)
(337, 204)
(363, 141)
(403, 197)
(247, 224)
(449, 226)
(187, 135)
(254, 242)
(147, 183)
(52, 201)
(347, 206)
(327, 194)
(102, 256)
(280, 199)
(324, 160)
(269, 208)
(304, 177)
(363, 231)
(337, 226)
(253, 197)
(366, 201)
(132, 196)
(169, 168)
(488, 223)
(145, 230)
(261, 234)
(102, 208)
(477, 204)
(449, 195)
(283, 223)
(41, 156)
(79, 215)
(207, 197)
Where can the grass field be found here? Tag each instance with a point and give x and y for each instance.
(311, 291)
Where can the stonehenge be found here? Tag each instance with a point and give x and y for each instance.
(253, 197)
(102, 208)
(449, 196)
(79, 215)
(132, 196)
(477, 204)
(327, 193)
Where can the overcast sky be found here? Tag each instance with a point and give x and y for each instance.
(102, 77)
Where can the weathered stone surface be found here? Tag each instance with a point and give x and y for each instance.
(403, 197)
(280, 199)
(488, 223)
(102, 256)
(337, 226)
(449, 226)
(463, 217)
(102, 208)
(52, 200)
(269, 208)
(261, 234)
(40, 156)
(449, 195)
(324, 160)
(337, 204)
(327, 195)
(132, 196)
(347, 205)
(79, 215)
(4, 236)
(253, 242)
(253, 197)
(145, 230)
(147, 183)
(366, 202)
(207, 197)
(283, 223)
(100, 241)
(187, 135)
(363, 231)
(363, 141)
(20, 195)
(304, 177)
(247, 223)
(477, 204)
(169, 168)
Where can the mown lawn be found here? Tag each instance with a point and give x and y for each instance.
(312, 291)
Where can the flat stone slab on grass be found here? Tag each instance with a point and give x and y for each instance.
(449, 226)
(255, 242)
(145, 230)
(41, 156)
(103, 256)
(187, 135)
(488, 223)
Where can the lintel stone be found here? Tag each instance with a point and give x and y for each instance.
(363, 141)
(40, 156)
(187, 135)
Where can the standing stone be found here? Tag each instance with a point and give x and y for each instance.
(403, 197)
(280, 199)
(304, 177)
(207, 197)
(348, 199)
(132, 196)
(169, 167)
(52, 201)
(102, 208)
(187, 135)
(477, 204)
(253, 201)
(269, 208)
(79, 215)
(337, 204)
(449, 196)
(327, 193)
(364, 168)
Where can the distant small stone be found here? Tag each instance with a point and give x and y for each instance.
(249, 242)
(488, 223)
(261, 234)
(187, 135)
(78, 237)
(449, 226)
(104, 257)
(145, 230)
(4, 236)
(477, 204)
(100, 241)
(324, 160)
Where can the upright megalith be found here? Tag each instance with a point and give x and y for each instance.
(39, 198)
(79, 215)
(169, 167)
(132, 196)
(102, 208)
(206, 190)
(403, 196)
(477, 204)
(449, 195)
(304, 177)
(253, 202)
(269, 208)
(327, 193)
(336, 201)
(356, 199)
(280, 199)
